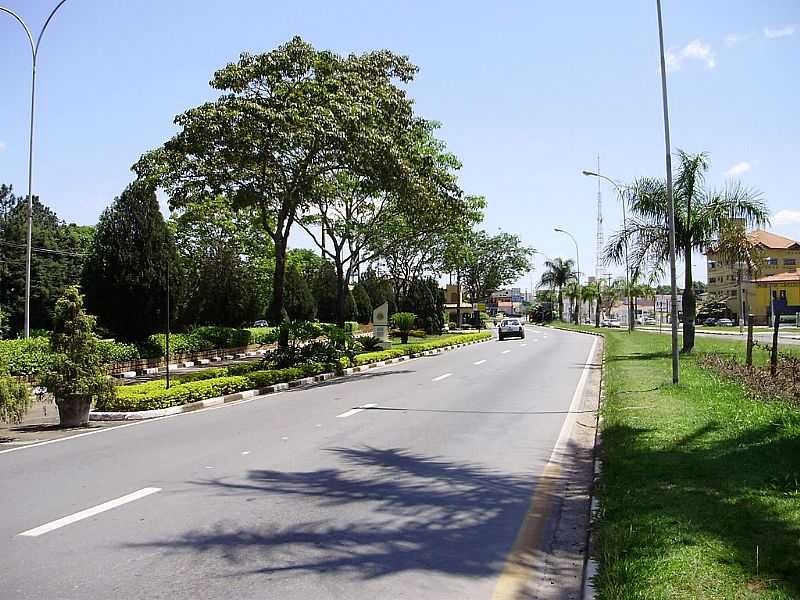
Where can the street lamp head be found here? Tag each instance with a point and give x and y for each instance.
(589, 173)
(559, 230)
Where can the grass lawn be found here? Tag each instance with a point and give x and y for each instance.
(698, 480)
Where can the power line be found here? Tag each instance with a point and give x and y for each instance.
(44, 250)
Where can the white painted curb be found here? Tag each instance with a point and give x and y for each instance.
(304, 382)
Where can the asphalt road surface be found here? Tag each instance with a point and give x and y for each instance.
(306, 494)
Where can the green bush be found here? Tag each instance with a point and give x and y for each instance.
(404, 322)
(154, 395)
(263, 335)
(222, 337)
(111, 351)
(369, 343)
(351, 326)
(26, 357)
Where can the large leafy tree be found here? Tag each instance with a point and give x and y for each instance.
(351, 215)
(494, 261)
(287, 120)
(699, 215)
(226, 264)
(558, 273)
(125, 277)
(56, 262)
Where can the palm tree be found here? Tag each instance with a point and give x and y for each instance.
(699, 215)
(590, 293)
(573, 293)
(742, 252)
(558, 273)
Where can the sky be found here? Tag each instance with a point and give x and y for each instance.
(529, 93)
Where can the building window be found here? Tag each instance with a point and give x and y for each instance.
(712, 264)
(772, 262)
(712, 280)
(789, 262)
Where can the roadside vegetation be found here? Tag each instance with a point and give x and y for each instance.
(700, 488)
(332, 354)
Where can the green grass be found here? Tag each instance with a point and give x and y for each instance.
(695, 478)
(452, 337)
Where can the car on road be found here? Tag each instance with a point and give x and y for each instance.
(725, 323)
(510, 328)
(710, 322)
(650, 321)
(613, 323)
(261, 323)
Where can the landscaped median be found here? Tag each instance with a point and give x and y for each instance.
(227, 384)
(700, 482)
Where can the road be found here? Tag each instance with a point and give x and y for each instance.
(763, 337)
(301, 495)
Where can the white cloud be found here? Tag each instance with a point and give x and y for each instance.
(3, 146)
(780, 31)
(694, 50)
(786, 217)
(738, 169)
(734, 39)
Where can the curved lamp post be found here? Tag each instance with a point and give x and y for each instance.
(578, 264)
(34, 56)
(620, 192)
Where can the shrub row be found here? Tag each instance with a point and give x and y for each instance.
(368, 357)
(236, 378)
(154, 395)
(32, 356)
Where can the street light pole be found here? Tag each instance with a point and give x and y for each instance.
(621, 194)
(578, 264)
(34, 55)
(670, 202)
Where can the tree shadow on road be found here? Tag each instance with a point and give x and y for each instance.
(386, 511)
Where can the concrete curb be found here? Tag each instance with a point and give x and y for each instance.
(272, 389)
(591, 566)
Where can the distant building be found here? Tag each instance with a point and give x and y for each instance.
(781, 257)
(452, 299)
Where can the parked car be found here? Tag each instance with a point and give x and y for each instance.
(650, 321)
(261, 323)
(725, 323)
(710, 322)
(614, 323)
(511, 328)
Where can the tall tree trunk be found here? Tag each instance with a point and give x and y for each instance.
(597, 311)
(560, 305)
(458, 298)
(689, 304)
(274, 314)
(341, 296)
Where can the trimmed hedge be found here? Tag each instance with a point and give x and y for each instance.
(154, 395)
(236, 378)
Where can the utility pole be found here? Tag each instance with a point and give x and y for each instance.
(670, 203)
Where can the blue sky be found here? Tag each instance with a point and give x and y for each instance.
(528, 94)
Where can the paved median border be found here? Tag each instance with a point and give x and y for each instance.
(272, 389)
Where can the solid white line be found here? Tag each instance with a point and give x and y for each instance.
(569, 422)
(440, 377)
(505, 351)
(480, 362)
(89, 512)
(354, 411)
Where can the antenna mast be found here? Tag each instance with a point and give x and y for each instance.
(599, 267)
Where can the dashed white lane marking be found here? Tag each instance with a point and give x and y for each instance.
(89, 512)
(479, 362)
(207, 467)
(440, 377)
(523, 345)
(354, 411)
(505, 351)
(245, 452)
(284, 439)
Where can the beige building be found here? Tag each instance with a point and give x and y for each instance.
(778, 255)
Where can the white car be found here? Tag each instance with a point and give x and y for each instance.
(510, 328)
(725, 323)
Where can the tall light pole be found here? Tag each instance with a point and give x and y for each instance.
(34, 56)
(578, 264)
(670, 203)
(621, 193)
